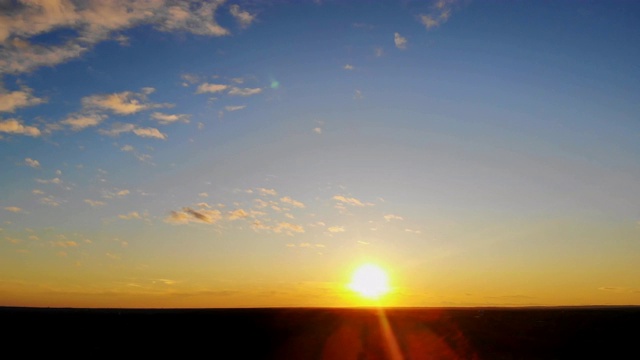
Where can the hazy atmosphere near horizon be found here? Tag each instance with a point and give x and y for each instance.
(200, 154)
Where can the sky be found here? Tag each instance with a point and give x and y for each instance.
(201, 154)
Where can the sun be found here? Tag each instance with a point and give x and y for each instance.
(370, 281)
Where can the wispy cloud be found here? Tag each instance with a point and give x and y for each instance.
(32, 163)
(238, 214)
(122, 103)
(169, 118)
(130, 216)
(618, 289)
(243, 17)
(12, 100)
(288, 228)
(290, 201)
(14, 209)
(244, 91)
(121, 128)
(94, 203)
(211, 88)
(336, 229)
(439, 14)
(50, 201)
(265, 191)
(14, 126)
(82, 121)
(49, 181)
(188, 215)
(138, 155)
(350, 201)
(400, 41)
(390, 217)
(64, 243)
(348, 67)
(189, 79)
(234, 108)
(93, 21)
(196, 17)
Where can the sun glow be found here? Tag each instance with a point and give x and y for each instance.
(370, 281)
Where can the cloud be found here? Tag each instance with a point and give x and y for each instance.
(390, 217)
(14, 209)
(10, 101)
(13, 126)
(417, 232)
(290, 201)
(348, 67)
(169, 118)
(350, 201)
(121, 128)
(130, 216)
(210, 88)
(94, 203)
(438, 15)
(317, 130)
(259, 225)
(80, 121)
(189, 79)
(243, 17)
(282, 227)
(64, 244)
(149, 132)
(336, 229)
(288, 228)
(18, 56)
(261, 203)
(107, 194)
(50, 200)
(32, 163)
(235, 108)
(619, 289)
(400, 41)
(244, 91)
(124, 192)
(139, 156)
(378, 51)
(196, 17)
(122, 103)
(188, 215)
(358, 95)
(91, 22)
(264, 191)
(238, 214)
(50, 181)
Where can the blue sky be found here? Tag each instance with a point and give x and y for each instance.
(252, 153)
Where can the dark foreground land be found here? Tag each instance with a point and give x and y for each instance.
(324, 333)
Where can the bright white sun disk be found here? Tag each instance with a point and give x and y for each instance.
(370, 281)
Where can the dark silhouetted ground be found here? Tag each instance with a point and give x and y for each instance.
(323, 333)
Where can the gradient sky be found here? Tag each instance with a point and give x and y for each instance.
(254, 153)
